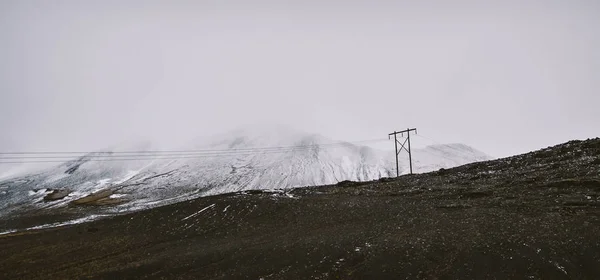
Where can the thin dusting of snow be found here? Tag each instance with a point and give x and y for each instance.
(151, 183)
(56, 177)
(130, 174)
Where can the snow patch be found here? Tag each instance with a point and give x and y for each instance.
(8, 232)
(560, 267)
(203, 209)
(37, 192)
(103, 182)
(291, 196)
(60, 224)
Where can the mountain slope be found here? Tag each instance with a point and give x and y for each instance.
(240, 160)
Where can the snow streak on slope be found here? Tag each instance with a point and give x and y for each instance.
(130, 185)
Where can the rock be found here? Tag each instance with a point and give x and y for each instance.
(94, 197)
(57, 195)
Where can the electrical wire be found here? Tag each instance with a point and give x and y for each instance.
(199, 151)
(446, 145)
(162, 155)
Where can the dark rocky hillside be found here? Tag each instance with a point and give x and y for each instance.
(532, 216)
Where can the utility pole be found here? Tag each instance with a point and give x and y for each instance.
(402, 146)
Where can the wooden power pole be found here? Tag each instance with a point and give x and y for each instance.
(402, 146)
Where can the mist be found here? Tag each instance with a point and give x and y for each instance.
(503, 76)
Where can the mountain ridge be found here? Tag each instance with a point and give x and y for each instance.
(265, 159)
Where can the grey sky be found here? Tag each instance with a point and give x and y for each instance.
(503, 76)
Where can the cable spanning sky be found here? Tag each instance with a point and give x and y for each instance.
(61, 156)
(503, 76)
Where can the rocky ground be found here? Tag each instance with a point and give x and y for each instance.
(534, 216)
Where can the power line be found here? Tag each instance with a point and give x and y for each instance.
(141, 156)
(449, 146)
(155, 155)
(188, 155)
(195, 151)
(132, 158)
(436, 142)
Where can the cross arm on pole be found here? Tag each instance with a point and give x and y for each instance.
(403, 131)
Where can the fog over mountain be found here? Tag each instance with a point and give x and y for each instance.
(507, 77)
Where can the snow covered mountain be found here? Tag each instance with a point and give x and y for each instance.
(237, 161)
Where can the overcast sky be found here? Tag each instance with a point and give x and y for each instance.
(503, 76)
